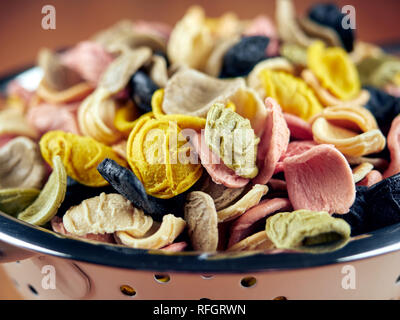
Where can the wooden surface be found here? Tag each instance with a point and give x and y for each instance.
(21, 34)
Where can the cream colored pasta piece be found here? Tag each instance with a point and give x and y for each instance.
(348, 142)
(21, 165)
(13, 122)
(120, 149)
(45, 207)
(96, 117)
(107, 36)
(232, 138)
(118, 73)
(106, 213)
(137, 40)
(222, 196)
(214, 62)
(191, 41)
(249, 200)
(309, 231)
(378, 163)
(361, 171)
(327, 98)
(170, 228)
(352, 117)
(193, 93)
(158, 71)
(288, 27)
(256, 242)
(278, 63)
(202, 221)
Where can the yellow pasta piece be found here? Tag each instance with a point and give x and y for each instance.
(80, 155)
(334, 69)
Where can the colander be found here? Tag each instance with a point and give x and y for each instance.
(46, 265)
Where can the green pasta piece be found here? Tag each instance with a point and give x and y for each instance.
(50, 198)
(307, 231)
(15, 200)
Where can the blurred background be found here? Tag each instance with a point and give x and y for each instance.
(22, 35)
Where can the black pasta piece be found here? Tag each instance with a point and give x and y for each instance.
(142, 88)
(375, 207)
(77, 192)
(383, 106)
(128, 185)
(383, 201)
(329, 15)
(243, 56)
(357, 217)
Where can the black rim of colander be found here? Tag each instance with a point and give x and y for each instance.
(26, 236)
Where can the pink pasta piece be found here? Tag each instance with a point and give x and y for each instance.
(372, 178)
(5, 138)
(58, 226)
(294, 148)
(263, 26)
(393, 143)
(14, 88)
(274, 142)
(393, 90)
(48, 117)
(299, 129)
(89, 59)
(217, 170)
(175, 247)
(320, 179)
(242, 227)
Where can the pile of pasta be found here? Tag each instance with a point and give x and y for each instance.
(216, 134)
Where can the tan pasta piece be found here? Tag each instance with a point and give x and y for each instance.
(106, 213)
(222, 195)
(315, 30)
(170, 228)
(361, 171)
(288, 27)
(13, 122)
(191, 41)
(72, 94)
(158, 71)
(21, 165)
(96, 117)
(56, 75)
(193, 93)
(249, 200)
(202, 221)
(215, 61)
(118, 73)
(348, 142)
(350, 117)
(328, 99)
(278, 64)
(256, 242)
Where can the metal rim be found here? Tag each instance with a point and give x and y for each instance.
(23, 235)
